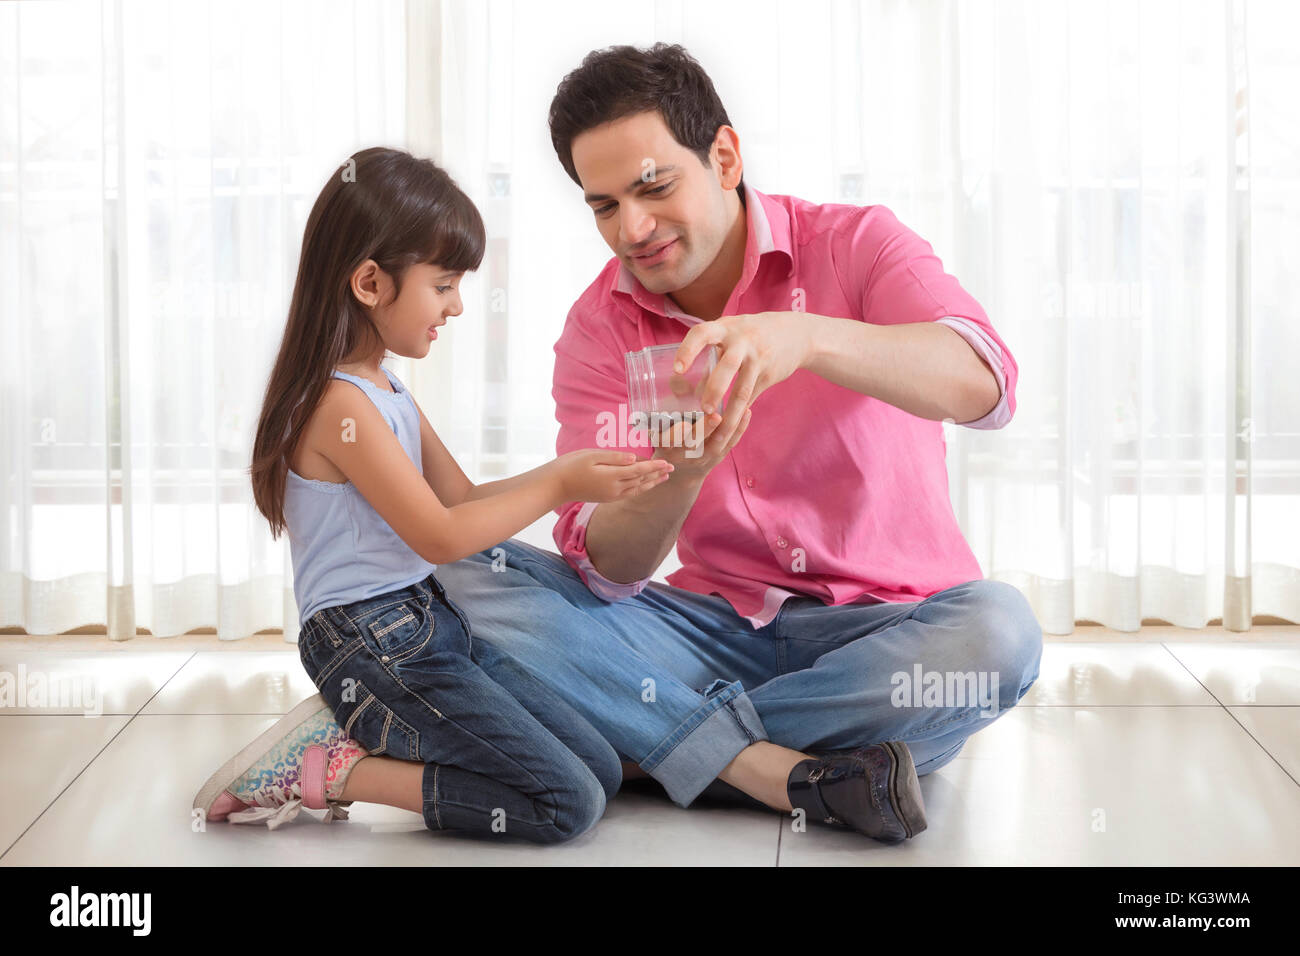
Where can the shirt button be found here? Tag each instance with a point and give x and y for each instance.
(750, 482)
(781, 542)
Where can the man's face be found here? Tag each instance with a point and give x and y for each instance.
(659, 209)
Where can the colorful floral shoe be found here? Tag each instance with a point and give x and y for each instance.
(303, 760)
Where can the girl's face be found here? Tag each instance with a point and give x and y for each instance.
(409, 323)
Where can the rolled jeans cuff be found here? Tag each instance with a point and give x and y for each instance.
(692, 756)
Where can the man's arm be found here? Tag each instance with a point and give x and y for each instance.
(924, 368)
(628, 540)
(617, 545)
(911, 340)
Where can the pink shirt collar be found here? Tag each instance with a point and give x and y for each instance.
(768, 235)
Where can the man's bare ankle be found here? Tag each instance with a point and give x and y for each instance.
(633, 771)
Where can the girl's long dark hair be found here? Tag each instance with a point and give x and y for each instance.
(382, 204)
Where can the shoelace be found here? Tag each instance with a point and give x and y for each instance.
(277, 807)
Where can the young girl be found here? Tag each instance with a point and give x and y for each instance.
(346, 462)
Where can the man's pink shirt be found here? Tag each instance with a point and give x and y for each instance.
(829, 494)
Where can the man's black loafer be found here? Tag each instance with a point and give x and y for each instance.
(873, 790)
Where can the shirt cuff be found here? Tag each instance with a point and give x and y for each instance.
(597, 583)
(989, 351)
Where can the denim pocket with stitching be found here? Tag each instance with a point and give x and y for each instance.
(397, 631)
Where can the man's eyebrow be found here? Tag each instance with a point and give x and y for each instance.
(632, 187)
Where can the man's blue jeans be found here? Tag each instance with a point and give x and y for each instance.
(679, 683)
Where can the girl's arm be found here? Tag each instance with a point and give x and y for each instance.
(348, 430)
(447, 479)
(441, 471)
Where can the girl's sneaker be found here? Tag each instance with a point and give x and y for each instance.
(303, 760)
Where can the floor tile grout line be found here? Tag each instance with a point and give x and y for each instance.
(1261, 746)
(36, 819)
(58, 796)
(1268, 753)
(1179, 661)
(163, 685)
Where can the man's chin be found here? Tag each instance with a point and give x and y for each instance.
(658, 281)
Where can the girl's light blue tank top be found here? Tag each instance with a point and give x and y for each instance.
(342, 550)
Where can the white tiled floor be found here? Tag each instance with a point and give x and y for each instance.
(1130, 753)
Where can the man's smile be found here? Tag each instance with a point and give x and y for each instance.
(654, 254)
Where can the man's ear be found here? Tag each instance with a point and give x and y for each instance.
(725, 154)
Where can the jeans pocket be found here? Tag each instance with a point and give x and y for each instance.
(398, 631)
(372, 723)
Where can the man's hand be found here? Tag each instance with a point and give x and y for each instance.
(757, 351)
(693, 449)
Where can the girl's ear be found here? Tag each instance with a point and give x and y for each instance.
(365, 283)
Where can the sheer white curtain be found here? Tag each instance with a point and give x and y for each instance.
(1116, 182)
(157, 163)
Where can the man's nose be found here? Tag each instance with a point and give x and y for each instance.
(635, 224)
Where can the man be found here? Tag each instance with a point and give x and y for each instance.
(823, 571)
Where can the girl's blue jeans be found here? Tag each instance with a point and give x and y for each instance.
(503, 753)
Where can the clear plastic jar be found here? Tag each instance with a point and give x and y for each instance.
(658, 397)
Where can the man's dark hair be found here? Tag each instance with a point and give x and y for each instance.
(620, 81)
